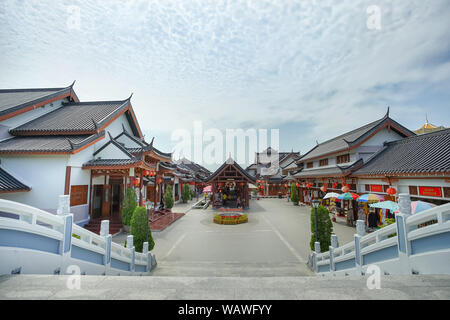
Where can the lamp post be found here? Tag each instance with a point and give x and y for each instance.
(315, 205)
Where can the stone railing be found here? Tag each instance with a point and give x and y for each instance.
(415, 244)
(33, 241)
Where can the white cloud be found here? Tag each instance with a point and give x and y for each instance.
(268, 62)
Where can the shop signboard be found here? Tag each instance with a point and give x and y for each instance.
(430, 191)
(376, 188)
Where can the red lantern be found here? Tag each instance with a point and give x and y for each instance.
(286, 185)
(324, 188)
(391, 191)
(159, 180)
(345, 189)
(308, 186)
(297, 184)
(136, 182)
(335, 185)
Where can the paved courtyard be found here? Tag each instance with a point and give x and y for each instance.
(275, 242)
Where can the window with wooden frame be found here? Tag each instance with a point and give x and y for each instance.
(413, 190)
(367, 187)
(343, 158)
(78, 195)
(323, 162)
(310, 165)
(446, 192)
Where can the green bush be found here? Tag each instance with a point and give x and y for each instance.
(294, 193)
(129, 205)
(325, 228)
(168, 198)
(139, 228)
(185, 193)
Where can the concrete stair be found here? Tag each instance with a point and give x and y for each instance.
(94, 226)
(428, 287)
(230, 269)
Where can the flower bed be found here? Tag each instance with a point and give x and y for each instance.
(232, 218)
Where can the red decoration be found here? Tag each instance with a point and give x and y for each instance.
(159, 180)
(376, 188)
(308, 186)
(136, 182)
(335, 185)
(391, 191)
(345, 189)
(297, 184)
(430, 191)
(324, 188)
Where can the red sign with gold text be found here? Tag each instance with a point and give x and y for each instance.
(376, 188)
(430, 191)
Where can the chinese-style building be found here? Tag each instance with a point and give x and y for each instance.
(231, 180)
(330, 164)
(418, 165)
(53, 144)
(270, 174)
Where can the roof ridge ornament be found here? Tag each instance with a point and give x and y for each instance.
(129, 98)
(96, 126)
(387, 113)
(72, 146)
(73, 83)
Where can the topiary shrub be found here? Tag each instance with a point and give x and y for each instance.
(168, 198)
(139, 229)
(185, 193)
(294, 194)
(129, 205)
(324, 226)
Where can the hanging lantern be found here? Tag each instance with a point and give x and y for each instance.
(308, 186)
(391, 191)
(136, 182)
(324, 188)
(286, 185)
(297, 184)
(146, 173)
(159, 180)
(345, 189)
(335, 185)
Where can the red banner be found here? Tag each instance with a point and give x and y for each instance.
(376, 188)
(430, 191)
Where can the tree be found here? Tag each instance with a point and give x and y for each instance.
(324, 227)
(168, 198)
(185, 193)
(294, 194)
(129, 205)
(140, 228)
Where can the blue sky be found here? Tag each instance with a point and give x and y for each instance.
(312, 69)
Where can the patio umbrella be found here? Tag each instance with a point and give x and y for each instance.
(419, 206)
(348, 196)
(331, 195)
(370, 197)
(391, 205)
(207, 189)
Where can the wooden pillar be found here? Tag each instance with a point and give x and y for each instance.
(141, 184)
(67, 180)
(91, 192)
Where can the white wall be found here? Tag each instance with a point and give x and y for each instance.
(44, 174)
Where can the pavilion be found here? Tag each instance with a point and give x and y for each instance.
(233, 181)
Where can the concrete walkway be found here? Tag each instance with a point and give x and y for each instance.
(223, 288)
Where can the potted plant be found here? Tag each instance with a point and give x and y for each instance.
(294, 194)
(186, 193)
(168, 198)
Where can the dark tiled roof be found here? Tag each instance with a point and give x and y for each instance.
(111, 162)
(419, 154)
(234, 164)
(12, 100)
(10, 184)
(73, 118)
(347, 140)
(329, 172)
(44, 144)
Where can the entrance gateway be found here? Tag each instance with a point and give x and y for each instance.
(230, 186)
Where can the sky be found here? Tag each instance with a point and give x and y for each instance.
(311, 69)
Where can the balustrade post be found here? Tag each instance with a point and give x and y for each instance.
(334, 244)
(66, 243)
(358, 257)
(148, 256)
(130, 245)
(316, 252)
(404, 246)
(104, 232)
